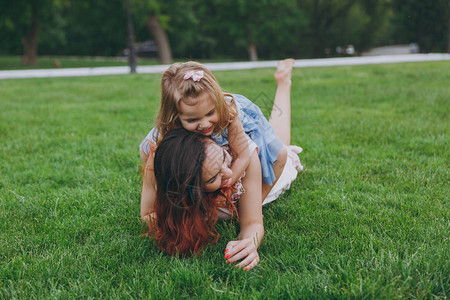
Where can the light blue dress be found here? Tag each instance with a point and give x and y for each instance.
(256, 127)
(259, 130)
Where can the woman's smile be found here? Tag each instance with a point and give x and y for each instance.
(225, 183)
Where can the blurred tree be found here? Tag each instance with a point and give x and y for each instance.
(365, 24)
(95, 28)
(280, 29)
(322, 15)
(161, 39)
(157, 14)
(235, 29)
(53, 36)
(30, 39)
(373, 22)
(250, 28)
(22, 20)
(422, 22)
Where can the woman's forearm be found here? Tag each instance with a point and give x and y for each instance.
(250, 204)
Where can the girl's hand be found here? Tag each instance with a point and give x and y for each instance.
(244, 250)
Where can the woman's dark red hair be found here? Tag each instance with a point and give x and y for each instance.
(185, 215)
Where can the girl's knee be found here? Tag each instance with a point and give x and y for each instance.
(282, 158)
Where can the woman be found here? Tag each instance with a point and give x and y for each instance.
(191, 176)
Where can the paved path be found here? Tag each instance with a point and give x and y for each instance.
(300, 63)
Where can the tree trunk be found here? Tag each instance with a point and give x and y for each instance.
(252, 53)
(131, 54)
(161, 40)
(29, 41)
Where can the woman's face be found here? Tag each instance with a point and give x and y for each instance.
(216, 172)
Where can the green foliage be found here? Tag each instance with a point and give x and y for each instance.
(95, 28)
(53, 37)
(226, 28)
(15, 18)
(340, 23)
(218, 28)
(422, 22)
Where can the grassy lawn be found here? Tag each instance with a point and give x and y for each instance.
(53, 62)
(13, 62)
(369, 218)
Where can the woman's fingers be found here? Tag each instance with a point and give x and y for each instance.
(230, 245)
(231, 249)
(243, 250)
(249, 262)
(235, 249)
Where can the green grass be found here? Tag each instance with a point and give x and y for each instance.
(368, 219)
(53, 62)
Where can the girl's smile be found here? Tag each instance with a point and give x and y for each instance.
(199, 115)
(207, 131)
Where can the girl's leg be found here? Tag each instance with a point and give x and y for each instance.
(278, 168)
(280, 118)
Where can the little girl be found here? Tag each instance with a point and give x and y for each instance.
(192, 98)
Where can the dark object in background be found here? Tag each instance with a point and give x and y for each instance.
(130, 31)
(145, 49)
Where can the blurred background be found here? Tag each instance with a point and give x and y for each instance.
(217, 30)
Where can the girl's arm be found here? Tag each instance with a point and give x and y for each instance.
(250, 237)
(148, 195)
(238, 141)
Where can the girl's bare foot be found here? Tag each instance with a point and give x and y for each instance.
(284, 71)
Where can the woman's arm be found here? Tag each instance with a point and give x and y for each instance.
(148, 195)
(238, 141)
(250, 218)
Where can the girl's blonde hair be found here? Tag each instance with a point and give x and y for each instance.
(174, 88)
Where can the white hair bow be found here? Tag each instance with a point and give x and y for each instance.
(195, 75)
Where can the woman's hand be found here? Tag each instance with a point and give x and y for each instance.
(244, 250)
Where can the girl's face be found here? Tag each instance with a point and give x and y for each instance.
(201, 116)
(216, 172)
